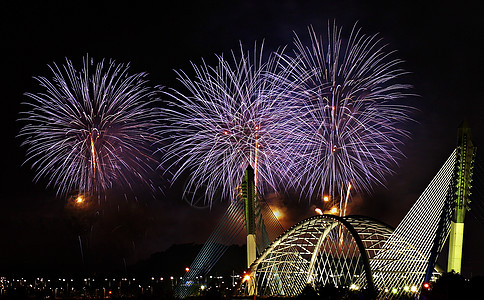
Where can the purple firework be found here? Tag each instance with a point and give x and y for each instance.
(232, 116)
(91, 129)
(348, 90)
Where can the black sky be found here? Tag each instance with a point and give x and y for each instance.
(441, 46)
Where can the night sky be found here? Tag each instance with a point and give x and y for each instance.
(39, 231)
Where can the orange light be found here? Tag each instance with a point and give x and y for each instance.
(325, 198)
(187, 269)
(79, 199)
(226, 132)
(334, 210)
(277, 213)
(426, 285)
(246, 278)
(318, 211)
(110, 292)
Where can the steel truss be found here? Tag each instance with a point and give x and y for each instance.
(321, 250)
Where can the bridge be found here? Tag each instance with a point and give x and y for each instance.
(354, 252)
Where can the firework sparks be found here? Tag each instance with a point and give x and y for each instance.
(348, 89)
(232, 117)
(91, 129)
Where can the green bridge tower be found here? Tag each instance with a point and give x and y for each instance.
(466, 154)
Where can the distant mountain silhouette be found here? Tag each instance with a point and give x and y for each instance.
(174, 260)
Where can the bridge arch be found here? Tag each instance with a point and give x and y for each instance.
(323, 249)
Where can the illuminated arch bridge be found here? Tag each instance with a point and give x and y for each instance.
(352, 251)
(359, 252)
(324, 249)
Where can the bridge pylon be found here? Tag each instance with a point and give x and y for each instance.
(249, 197)
(465, 160)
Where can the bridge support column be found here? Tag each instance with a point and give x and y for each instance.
(249, 196)
(466, 152)
(455, 247)
(251, 249)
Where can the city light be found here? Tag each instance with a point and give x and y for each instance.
(84, 288)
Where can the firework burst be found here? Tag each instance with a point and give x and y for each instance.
(91, 129)
(348, 90)
(233, 116)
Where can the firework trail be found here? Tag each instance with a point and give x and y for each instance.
(91, 129)
(233, 116)
(348, 91)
